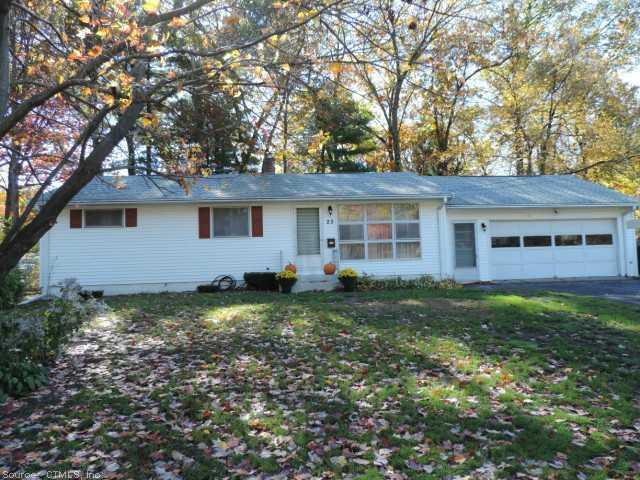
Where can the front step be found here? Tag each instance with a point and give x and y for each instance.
(308, 283)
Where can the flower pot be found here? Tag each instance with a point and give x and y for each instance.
(349, 283)
(286, 284)
(329, 268)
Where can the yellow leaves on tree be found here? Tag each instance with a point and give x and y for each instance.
(177, 22)
(149, 120)
(232, 20)
(151, 6)
(95, 51)
(335, 68)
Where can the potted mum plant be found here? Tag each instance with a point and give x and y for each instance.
(349, 279)
(287, 279)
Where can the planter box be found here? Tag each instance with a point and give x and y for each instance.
(286, 285)
(349, 284)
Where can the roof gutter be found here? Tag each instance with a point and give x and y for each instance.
(551, 205)
(260, 199)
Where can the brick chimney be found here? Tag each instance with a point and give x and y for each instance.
(268, 163)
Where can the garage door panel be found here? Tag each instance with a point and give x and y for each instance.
(506, 272)
(537, 255)
(554, 261)
(600, 254)
(598, 226)
(500, 229)
(539, 270)
(506, 256)
(568, 254)
(534, 228)
(601, 269)
(565, 227)
(569, 269)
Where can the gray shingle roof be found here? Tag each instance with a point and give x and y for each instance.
(462, 191)
(234, 187)
(543, 190)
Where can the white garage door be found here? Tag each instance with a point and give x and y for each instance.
(553, 249)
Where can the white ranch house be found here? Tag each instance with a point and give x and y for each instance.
(148, 234)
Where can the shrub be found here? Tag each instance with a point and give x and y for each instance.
(30, 344)
(11, 289)
(286, 275)
(261, 281)
(368, 283)
(347, 273)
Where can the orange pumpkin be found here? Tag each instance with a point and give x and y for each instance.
(329, 268)
(291, 267)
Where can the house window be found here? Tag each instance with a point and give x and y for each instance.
(505, 242)
(231, 222)
(568, 240)
(103, 218)
(600, 239)
(537, 241)
(379, 231)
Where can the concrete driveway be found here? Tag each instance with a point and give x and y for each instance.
(625, 290)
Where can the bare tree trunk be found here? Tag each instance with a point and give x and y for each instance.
(13, 247)
(148, 160)
(12, 201)
(285, 128)
(5, 8)
(394, 126)
(323, 160)
(131, 155)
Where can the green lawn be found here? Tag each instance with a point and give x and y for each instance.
(401, 384)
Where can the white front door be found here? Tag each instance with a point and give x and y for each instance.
(553, 249)
(308, 259)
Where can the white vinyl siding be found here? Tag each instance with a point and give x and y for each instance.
(164, 252)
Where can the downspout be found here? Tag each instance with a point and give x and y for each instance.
(443, 220)
(622, 235)
(631, 256)
(636, 248)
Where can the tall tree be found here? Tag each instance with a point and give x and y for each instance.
(334, 133)
(386, 42)
(108, 60)
(549, 100)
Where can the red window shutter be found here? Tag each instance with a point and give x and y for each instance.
(131, 217)
(75, 218)
(204, 222)
(256, 221)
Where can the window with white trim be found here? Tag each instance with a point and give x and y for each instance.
(379, 231)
